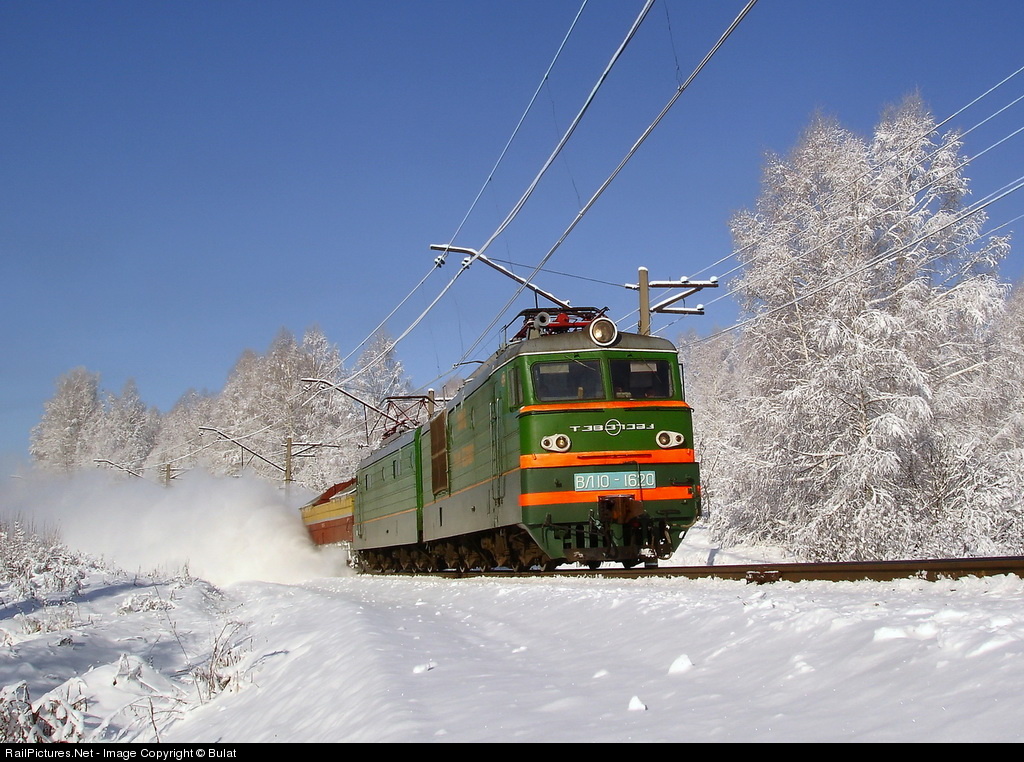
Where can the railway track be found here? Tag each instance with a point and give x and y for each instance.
(881, 571)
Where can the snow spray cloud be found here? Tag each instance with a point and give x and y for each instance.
(226, 530)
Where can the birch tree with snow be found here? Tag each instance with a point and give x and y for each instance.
(378, 373)
(126, 430)
(61, 439)
(872, 296)
(265, 402)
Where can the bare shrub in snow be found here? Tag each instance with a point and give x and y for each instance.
(222, 669)
(53, 720)
(143, 602)
(35, 564)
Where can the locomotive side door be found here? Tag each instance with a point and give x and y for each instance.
(439, 453)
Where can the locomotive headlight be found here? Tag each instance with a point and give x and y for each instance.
(666, 439)
(556, 443)
(603, 332)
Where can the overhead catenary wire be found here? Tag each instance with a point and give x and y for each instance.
(515, 131)
(440, 260)
(383, 322)
(908, 145)
(1006, 190)
(549, 271)
(880, 212)
(905, 147)
(526, 194)
(629, 154)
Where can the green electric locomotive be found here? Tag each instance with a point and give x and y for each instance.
(571, 444)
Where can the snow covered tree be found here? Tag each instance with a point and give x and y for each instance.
(329, 419)
(873, 298)
(125, 431)
(266, 401)
(714, 387)
(179, 444)
(82, 423)
(378, 373)
(60, 441)
(990, 443)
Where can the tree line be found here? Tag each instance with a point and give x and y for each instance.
(869, 403)
(243, 428)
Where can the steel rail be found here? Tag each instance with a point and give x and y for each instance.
(843, 571)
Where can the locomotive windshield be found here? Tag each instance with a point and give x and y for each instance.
(573, 380)
(641, 379)
(584, 380)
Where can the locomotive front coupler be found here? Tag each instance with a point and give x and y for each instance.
(619, 509)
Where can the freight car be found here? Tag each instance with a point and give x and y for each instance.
(571, 444)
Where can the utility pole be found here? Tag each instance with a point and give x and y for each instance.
(645, 284)
(645, 301)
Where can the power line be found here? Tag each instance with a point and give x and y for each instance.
(1006, 190)
(910, 144)
(905, 147)
(519, 124)
(526, 194)
(440, 260)
(556, 272)
(629, 154)
(877, 214)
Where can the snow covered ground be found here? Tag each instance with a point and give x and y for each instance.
(356, 658)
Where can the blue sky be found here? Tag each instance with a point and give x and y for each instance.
(179, 181)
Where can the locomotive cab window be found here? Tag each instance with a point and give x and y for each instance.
(641, 379)
(515, 389)
(573, 380)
